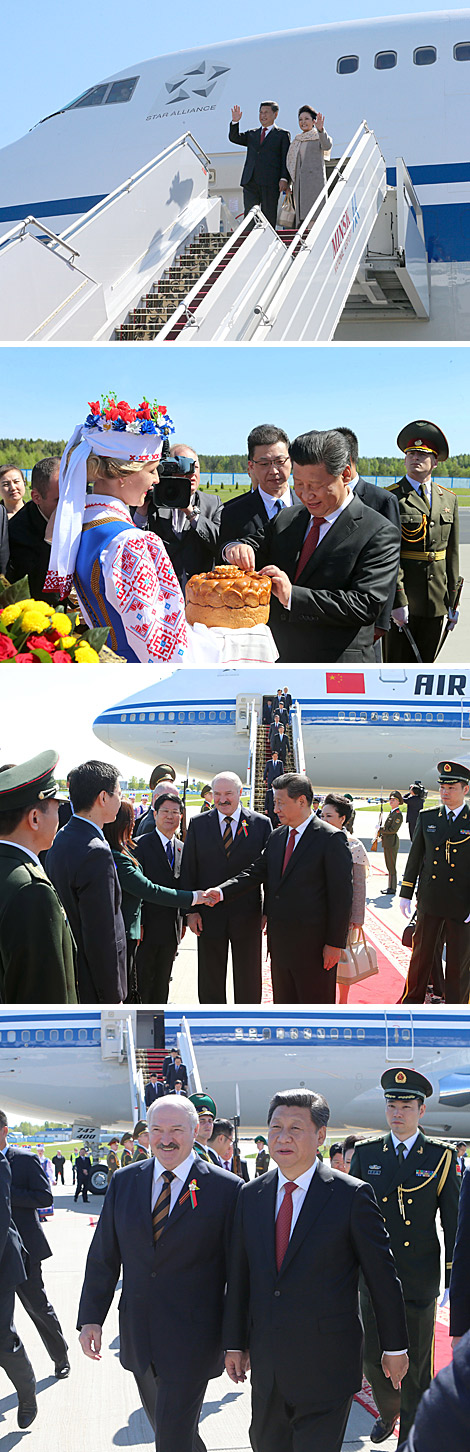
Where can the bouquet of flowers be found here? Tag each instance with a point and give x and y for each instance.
(32, 631)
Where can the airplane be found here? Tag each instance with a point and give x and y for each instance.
(363, 728)
(409, 71)
(78, 1064)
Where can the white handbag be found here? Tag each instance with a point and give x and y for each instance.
(357, 961)
(286, 212)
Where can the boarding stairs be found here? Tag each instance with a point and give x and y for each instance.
(261, 755)
(361, 246)
(150, 1062)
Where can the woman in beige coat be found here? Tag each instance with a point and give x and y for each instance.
(305, 161)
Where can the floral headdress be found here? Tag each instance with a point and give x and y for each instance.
(112, 430)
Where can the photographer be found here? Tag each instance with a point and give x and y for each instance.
(415, 800)
(189, 530)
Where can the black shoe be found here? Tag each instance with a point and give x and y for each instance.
(387, 892)
(62, 1368)
(27, 1411)
(381, 1430)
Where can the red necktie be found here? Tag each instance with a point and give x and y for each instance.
(309, 545)
(284, 1222)
(263, 134)
(289, 847)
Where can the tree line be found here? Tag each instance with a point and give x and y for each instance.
(25, 453)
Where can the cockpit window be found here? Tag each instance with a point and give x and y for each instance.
(121, 90)
(425, 55)
(346, 64)
(385, 60)
(95, 97)
(106, 94)
(462, 51)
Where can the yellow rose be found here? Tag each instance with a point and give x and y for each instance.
(61, 624)
(85, 655)
(70, 642)
(11, 613)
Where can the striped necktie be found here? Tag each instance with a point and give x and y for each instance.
(228, 836)
(161, 1207)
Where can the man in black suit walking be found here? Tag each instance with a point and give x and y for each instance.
(81, 866)
(264, 174)
(228, 837)
(306, 872)
(160, 854)
(30, 1192)
(167, 1221)
(269, 467)
(302, 1234)
(332, 563)
(13, 1357)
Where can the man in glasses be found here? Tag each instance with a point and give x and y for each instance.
(269, 468)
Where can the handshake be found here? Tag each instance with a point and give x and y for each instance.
(207, 898)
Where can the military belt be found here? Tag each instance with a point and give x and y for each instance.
(423, 554)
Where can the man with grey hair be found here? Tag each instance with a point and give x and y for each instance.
(302, 1234)
(164, 1221)
(224, 841)
(191, 533)
(332, 563)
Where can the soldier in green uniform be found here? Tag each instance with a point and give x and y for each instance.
(413, 1178)
(429, 559)
(207, 1111)
(440, 857)
(388, 834)
(37, 950)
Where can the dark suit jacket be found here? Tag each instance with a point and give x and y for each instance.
(12, 1271)
(83, 1169)
(386, 504)
(272, 770)
(30, 1192)
(177, 1072)
(343, 587)
(281, 745)
(196, 549)
(264, 164)
(29, 552)
(160, 924)
(302, 1324)
(205, 864)
(4, 540)
(244, 517)
(156, 1278)
(443, 1415)
(81, 866)
(460, 1274)
(312, 899)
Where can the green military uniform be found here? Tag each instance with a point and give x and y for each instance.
(37, 951)
(409, 1195)
(429, 559)
(388, 834)
(440, 857)
(112, 1163)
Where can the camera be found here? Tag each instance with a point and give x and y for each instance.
(173, 486)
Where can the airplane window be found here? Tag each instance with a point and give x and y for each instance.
(346, 64)
(53, 1036)
(212, 715)
(191, 715)
(39, 1036)
(418, 716)
(385, 60)
(320, 1033)
(334, 1034)
(132, 716)
(151, 715)
(294, 1033)
(462, 51)
(232, 716)
(90, 98)
(384, 715)
(181, 715)
(252, 1033)
(266, 1033)
(11, 1036)
(121, 90)
(440, 716)
(307, 1033)
(171, 716)
(280, 1033)
(361, 1033)
(96, 1035)
(25, 1036)
(352, 715)
(82, 1034)
(123, 716)
(396, 715)
(429, 715)
(348, 1033)
(222, 714)
(161, 715)
(425, 55)
(68, 1035)
(238, 1033)
(201, 716)
(142, 716)
(341, 716)
(363, 716)
(407, 716)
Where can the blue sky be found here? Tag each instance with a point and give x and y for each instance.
(52, 51)
(216, 395)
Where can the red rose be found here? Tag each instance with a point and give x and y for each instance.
(61, 657)
(7, 649)
(25, 658)
(94, 407)
(111, 412)
(40, 642)
(144, 410)
(161, 409)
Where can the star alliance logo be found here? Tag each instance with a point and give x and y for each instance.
(195, 86)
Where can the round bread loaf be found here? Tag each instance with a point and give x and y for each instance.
(228, 597)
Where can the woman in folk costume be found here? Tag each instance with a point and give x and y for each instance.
(305, 161)
(123, 576)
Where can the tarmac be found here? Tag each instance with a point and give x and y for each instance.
(98, 1403)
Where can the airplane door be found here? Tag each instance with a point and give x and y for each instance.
(399, 1038)
(242, 716)
(465, 721)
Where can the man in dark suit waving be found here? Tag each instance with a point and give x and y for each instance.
(306, 870)
(167, 1221)
(264, 174)
(302, 1233)
(229, 837)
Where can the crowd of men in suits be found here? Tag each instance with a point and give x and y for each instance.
(358, 572)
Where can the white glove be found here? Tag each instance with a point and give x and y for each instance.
(452, 618)
(401, 615)
(445, 1298)
(467, 920)
(405, 906)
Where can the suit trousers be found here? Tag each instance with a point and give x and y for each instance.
(300, 977)
(391, 1403)
(212, 956)
(278, 1427)
(154, 963)
(426, 634)
(33, 1297)
(428, 932)
(173, 1410)
(267, 198)
(13, 1357)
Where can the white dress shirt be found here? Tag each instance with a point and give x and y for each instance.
(180, 1173)
(455, 810)
(407, 1143)
(7, 842)
(235, 818)
(285, 500)
(298, 1196)
(299, 830)
(165, 840)
(425, 484)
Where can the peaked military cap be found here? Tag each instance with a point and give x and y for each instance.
(31, 782)
(204, 1102)
(139, 1128)
(161, 773)
(405, 1084)
(451, 771)
(424, 436)
(260, 1138)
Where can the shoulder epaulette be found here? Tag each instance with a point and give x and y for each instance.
(391, 487)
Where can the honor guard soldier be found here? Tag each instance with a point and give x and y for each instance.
(37, 950)
(440, 857)
(413, 1178)
(429, 559)
(207, 1111)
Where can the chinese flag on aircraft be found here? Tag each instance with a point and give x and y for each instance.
(338, 682)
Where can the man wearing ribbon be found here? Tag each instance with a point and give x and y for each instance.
(163, 1222)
